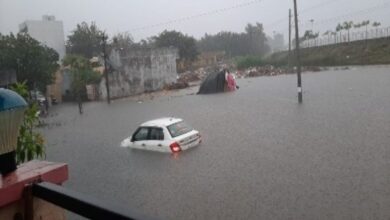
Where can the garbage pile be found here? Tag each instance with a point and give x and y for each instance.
(177, 85)
(197, 75)
(270, 70)
(263, 71)
(189, 77)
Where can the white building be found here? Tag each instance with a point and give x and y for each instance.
(48, 31)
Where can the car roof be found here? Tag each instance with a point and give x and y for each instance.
(161, 122)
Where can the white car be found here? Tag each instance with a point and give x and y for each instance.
(169, 135)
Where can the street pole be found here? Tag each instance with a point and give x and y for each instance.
(289, 39)
(104, 38)
(298, 53)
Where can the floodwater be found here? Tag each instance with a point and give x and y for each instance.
(263, 155)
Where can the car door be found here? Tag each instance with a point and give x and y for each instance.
(140, 138)
(156, 139)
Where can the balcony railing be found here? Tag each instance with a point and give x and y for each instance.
(80, 204)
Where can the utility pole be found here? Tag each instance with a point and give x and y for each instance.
(298, 53)
(104, 38)
(289, 39)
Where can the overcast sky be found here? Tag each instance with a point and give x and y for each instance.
(116, 16)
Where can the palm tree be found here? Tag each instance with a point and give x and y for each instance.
(327, 33)
(314, 37)
(347, 26)
(335, 36)
(376, 25)
(366, 23)
(358, 26)
(339, 28)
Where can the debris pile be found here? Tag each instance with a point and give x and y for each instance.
(177, 85)
(189, 77)
(197, 75)
(272, 71)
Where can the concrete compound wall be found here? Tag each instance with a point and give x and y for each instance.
(136, 72)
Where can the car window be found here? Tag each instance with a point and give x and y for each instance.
(141, 134)
(156, 134)
(179, 128)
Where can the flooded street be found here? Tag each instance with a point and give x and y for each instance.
(263, 156)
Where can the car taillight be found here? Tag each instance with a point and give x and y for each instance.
(175, 147)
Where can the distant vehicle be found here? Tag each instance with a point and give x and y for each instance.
(37, 95)
(169, 135)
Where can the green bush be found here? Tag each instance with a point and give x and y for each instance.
(248, 61)
(30, 143)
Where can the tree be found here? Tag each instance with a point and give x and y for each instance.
(85, 40)
(251, 42)
(339, 28)
(347, 26)
(234, 44)
(188, 50)
(30, 143)
(34, 63)
(329, 34)
(122, 41)
(365, 24)
(314, 37)
(82, 75)
(357, 26)
(309, 35)
(333, 33)
(376, 25)
(257, 39)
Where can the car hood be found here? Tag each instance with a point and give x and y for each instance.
(126, 142)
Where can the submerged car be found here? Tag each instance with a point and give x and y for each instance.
(169, 135)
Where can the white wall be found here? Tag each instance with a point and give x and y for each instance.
(49, 32)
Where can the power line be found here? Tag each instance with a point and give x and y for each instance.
(246, 4)
(363, 11)
(217, 11)
(222, 10)
(277, 22)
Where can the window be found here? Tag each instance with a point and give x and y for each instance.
(156, 134)
(141, 134)
(179, 128)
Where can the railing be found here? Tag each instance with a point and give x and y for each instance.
(80, 204)
(344, 37)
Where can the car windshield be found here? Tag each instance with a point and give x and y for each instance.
(179, 128)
